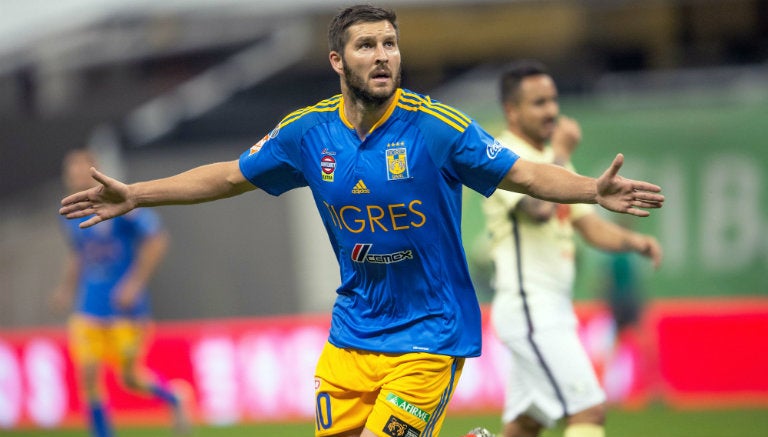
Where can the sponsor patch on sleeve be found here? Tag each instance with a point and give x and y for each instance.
(492, 150)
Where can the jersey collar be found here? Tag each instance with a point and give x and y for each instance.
(383, 118)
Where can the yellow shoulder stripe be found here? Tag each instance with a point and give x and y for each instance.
(445, 113)
(326, 105)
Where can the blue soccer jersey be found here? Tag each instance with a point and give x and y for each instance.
(391, 204)
(106, 252)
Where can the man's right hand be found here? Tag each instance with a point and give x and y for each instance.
(107, 200)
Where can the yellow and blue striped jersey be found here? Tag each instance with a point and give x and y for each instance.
(391, 204)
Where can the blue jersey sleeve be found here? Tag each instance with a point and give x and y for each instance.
(473, 157)
(273, 164)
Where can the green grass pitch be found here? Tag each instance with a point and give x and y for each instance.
(653, 421)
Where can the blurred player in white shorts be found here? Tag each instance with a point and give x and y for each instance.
(532, 245)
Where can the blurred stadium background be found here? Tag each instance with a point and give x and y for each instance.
(679, 86)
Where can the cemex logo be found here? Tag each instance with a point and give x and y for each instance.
(361, 253)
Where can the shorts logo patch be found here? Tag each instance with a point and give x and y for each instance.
(397, 164)
(407, 407)
(397, 428)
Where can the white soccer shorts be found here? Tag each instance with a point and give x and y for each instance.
(551, 377)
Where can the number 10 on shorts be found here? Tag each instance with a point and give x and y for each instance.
(323, 418)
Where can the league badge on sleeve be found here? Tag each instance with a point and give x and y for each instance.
(256, 147)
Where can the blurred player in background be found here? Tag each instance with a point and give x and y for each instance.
(386, 167)
(106, 274)
(533, 249)
(622, 288)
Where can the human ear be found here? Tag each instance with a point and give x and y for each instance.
(337, 62)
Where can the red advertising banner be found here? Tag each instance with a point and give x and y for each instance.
(688, 353)
(712, 352)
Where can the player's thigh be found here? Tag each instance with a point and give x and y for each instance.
(550, 376)
(572, 371)
(126, 344)
(528, 389)
(415, 395)
(388, 395)
(344, 392)
(87, 340)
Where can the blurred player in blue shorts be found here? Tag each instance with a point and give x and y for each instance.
(106, 274)
(386, 167)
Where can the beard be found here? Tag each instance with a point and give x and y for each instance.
(365, 94)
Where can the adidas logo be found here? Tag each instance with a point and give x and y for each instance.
(360, 188)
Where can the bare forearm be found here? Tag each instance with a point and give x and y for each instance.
(537, 209)
(112, 198)
(151, 254)
(70, 275)
(609, 236)
(63, 294)
(603, 234)
(550, 182)
(198, 185)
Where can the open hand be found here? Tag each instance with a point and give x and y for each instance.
(107, 200)
(650, 248)
(627, 196)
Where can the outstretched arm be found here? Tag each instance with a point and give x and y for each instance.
(64, 294)
(112, 198)
(565, 140)
(611, 191)
(609, 236)
(150, 254)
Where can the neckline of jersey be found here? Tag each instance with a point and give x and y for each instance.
(381, 121)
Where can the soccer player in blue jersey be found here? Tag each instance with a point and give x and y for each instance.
(386, 168)
(106, 274)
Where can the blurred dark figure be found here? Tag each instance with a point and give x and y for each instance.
(622, 293)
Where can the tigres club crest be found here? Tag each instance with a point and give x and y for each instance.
(398, 428)
(397, 164)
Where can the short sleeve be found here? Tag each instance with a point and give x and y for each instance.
(479, 160)
(273, 164)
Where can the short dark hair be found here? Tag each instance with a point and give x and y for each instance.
(514, 74)
(337, 30)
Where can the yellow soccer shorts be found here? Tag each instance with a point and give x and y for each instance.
(393, 395)
(114, 342)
